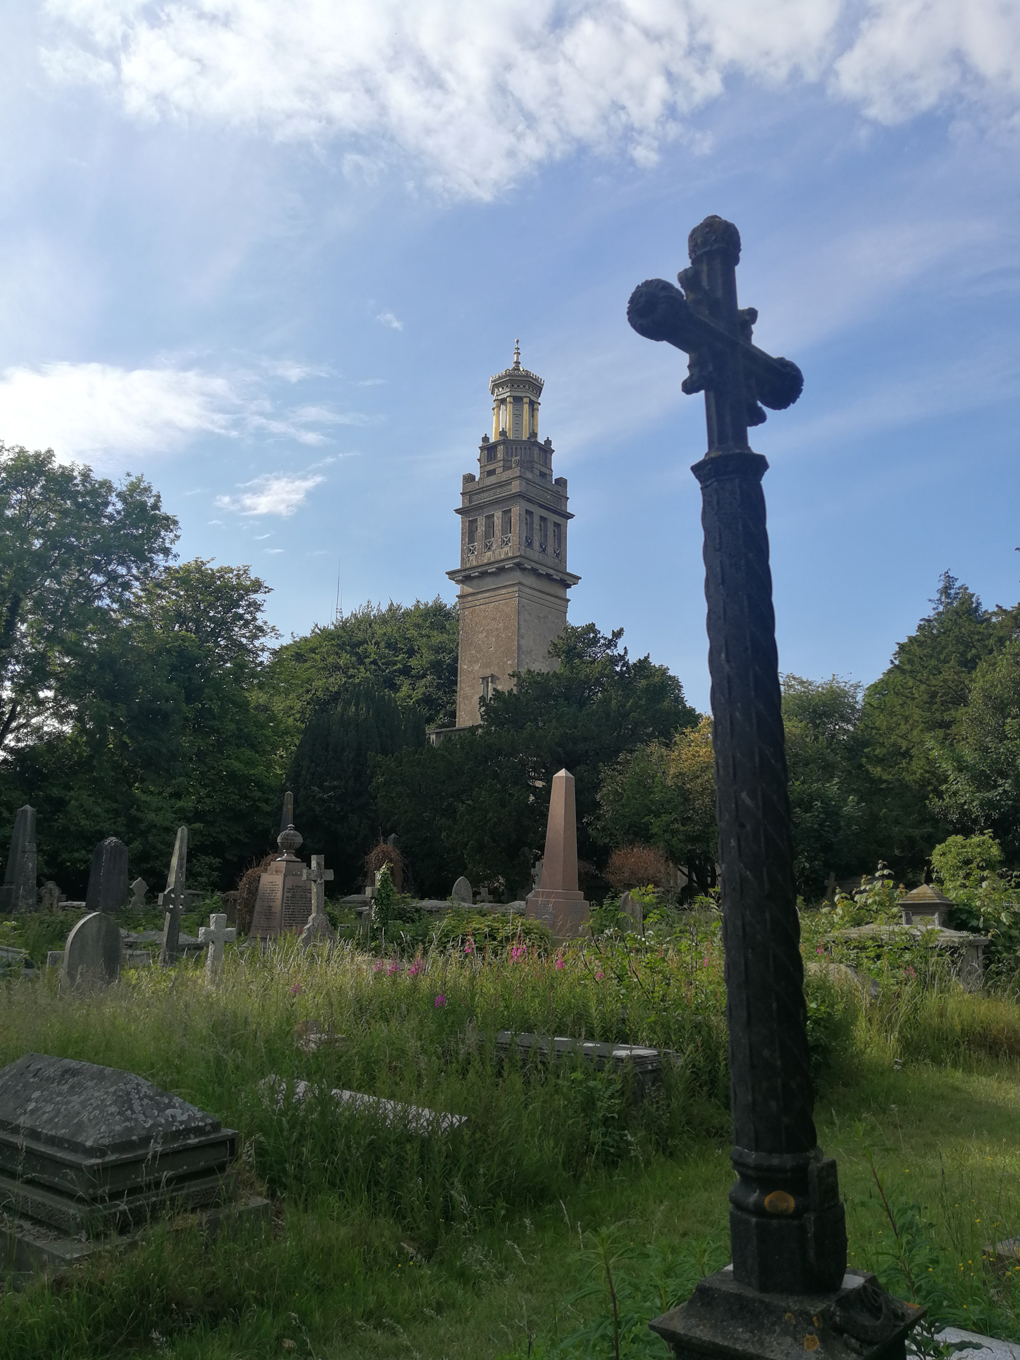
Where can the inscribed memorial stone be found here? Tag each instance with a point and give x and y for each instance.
(284, 899)
(92, 954)
(108, 877)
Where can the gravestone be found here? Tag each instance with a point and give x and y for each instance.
(393, 841)
(108, 877)
(287, 815)
(50, 896)
(216, 934)
(229, 901)
(925, 906)
(92, 952)
(284, 898)
(632, 909)
(88, 1153)
(318, 929)
(19, 892)
(138, 890)
(462, 891)
(557, 902)
(173, 899)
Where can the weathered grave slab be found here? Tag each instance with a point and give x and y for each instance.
(89, 1154)
(394, 1113)
(14, 961)
(644, 1063)
(92, 952)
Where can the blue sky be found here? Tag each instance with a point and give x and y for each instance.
(269, 254)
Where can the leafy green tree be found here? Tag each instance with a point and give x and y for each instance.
(832, 792)
(910, 714)
(477, 804)
(74, 550)
(330, 773)
(663, 794)
(410, 651)
(166, 724)
(980, 762)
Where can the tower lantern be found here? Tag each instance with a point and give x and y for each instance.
(513, 574)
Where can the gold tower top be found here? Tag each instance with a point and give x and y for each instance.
(516, 394)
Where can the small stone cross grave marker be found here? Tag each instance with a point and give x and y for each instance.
(318, 927)
(216, 934)
(138, 890)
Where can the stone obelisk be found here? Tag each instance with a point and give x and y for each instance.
(557, 902)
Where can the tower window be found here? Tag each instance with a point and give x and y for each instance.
(529, 529)
(506, 528)
(543, 534)
(490, 533)
(557, 539)
(490, 455)
(472, 537)
(518, 429)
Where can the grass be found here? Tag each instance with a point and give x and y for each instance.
(503, 1239)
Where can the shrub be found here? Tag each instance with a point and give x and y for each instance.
(636, 865)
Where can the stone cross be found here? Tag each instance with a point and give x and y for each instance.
(50, 896)
(318, 927)
(19, 892)
(216, 934)
(173, 899)
(108, 877)
(138, 890)
(787, 1225)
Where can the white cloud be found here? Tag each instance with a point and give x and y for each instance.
(273, 493)
(81, 410)
(388, 319)
(481, 93)
(101, 412)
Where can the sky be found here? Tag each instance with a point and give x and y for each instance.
(268, 253)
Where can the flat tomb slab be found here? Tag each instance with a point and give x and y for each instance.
(93, 1149)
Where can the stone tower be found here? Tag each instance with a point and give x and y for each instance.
(513, 574)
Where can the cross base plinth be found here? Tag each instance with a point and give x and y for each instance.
(724, 1320)
(563, 910)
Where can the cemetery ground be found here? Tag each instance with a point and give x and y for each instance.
(571, 1207)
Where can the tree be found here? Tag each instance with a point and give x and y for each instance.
(832, 793)
(410, 651)
(477, 803)
(911, 711)
(663, 794)
(74, 550)
(166, 723)
(331, 773)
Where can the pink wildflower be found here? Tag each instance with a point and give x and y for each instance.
(415, 968)
(440, 1000)
(378, 966)
(393, 968)
(819, 950)
(517, 952)
(599, 975)
(559, 964)
(296, 989)
(469, 947)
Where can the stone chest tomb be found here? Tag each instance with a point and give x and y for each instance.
(91, 1151)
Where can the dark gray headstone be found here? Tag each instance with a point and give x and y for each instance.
(108, 877)
(92, 1148)
(92, 953)
(50, 896)
(19, 892)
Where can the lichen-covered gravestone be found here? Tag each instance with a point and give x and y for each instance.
(87, 1152)
(462, 892)
(92, 953)
(108, 877)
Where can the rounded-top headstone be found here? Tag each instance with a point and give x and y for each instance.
(92, 952)
(462, 891)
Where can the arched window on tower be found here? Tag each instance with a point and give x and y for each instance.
(506, 529)
(543, 534)
(529, 529)
(490, 533)
(518, 418)
(557, 539)
(472, 538)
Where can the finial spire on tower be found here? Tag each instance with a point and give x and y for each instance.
(517, 354)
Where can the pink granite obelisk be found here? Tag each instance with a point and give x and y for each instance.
(556, 902)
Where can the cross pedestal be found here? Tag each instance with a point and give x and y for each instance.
(787, 1227)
